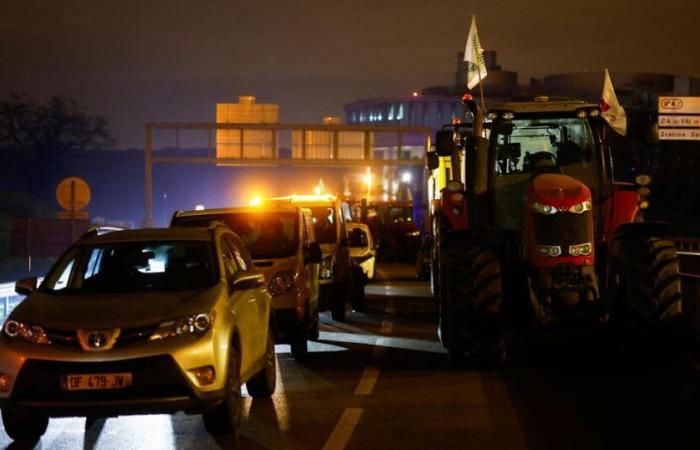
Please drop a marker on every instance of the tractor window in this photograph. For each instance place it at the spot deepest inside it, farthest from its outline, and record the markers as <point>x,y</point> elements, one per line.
<point>526,146</point>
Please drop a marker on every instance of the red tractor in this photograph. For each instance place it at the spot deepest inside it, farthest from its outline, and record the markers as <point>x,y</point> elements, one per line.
<point>532,232</point>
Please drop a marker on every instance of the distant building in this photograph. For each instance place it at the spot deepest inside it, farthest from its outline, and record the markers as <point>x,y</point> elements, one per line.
<point>251,143</point>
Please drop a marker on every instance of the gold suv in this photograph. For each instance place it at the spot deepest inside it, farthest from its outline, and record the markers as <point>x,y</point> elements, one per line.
<point>139,321</point>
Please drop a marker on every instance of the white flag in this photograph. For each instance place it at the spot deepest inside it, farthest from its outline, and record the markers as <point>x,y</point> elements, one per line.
<point>476,67</point>
<point>610,109</point>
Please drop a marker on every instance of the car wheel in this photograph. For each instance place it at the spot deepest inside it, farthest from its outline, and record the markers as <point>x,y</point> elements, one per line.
<point>24,428</point>
<point>314,327</point>
<point>358,291</point>
<point>338,299</point>
<point>262,384</point>
<point>298,343</point>
<point>225,418</point>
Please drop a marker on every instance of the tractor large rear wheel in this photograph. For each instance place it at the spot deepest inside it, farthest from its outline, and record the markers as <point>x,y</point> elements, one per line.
<point>645,286</point>
<point>473,286</point>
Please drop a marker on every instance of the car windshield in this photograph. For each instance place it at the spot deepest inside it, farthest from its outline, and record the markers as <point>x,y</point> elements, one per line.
<point>134,267</point>
<point>266,234</point>
<point>325,224</point>
<point>531,145</point>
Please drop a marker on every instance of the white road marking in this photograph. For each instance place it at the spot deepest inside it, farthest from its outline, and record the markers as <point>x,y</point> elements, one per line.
<point>343,430</point>
<point>387,326</point>
<point>390,307</point>
<point>368,380</point>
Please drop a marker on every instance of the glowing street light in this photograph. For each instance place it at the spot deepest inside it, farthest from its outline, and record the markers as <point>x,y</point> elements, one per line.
<point>255,201</point>
<point>199,208</point>
<point>406,177</point>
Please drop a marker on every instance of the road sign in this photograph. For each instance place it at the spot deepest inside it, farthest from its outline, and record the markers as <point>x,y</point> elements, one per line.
<point>73,194</point>
<point>679,105</point>
<point>679,118</point>
<point>668,120</point>
<point>679,134</point>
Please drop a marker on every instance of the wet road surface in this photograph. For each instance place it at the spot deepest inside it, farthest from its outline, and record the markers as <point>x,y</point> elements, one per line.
<point>380,380</point>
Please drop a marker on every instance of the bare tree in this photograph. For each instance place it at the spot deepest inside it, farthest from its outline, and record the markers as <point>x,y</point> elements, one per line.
<point>48,133</point>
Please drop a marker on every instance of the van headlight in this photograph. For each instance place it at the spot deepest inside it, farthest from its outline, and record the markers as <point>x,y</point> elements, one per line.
<point>326,272</point>
<point>281,282</point>
<point>581,249</point>
<point>31,333</point>
<point>195,324</point>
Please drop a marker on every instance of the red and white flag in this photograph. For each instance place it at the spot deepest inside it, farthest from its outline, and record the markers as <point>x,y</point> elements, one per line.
<point>610,109</point>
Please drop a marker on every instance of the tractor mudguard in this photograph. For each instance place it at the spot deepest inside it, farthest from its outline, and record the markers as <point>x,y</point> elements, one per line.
<point>643,229</point>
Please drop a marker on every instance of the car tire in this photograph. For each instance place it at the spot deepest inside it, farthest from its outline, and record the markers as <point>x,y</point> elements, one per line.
<point>225,418</point>
<point>263,383</point>
<point>24,428</point>
<point>338,300</point>
<point>358,291</point>
<point>314,330</point>
<point>298,343</point>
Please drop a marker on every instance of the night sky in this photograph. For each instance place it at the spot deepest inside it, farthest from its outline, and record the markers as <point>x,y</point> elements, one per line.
<point>137,61</point>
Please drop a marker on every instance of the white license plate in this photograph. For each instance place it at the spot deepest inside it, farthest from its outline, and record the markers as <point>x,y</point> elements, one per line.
<point>94,381</point>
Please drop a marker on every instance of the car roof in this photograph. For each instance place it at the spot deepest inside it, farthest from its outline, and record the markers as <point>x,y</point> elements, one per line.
<point>263,208</point>
<point>304,200</point>
<point>149,234</point>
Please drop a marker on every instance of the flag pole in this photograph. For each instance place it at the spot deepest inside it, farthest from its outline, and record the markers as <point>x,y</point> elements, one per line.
<point>481,90</point>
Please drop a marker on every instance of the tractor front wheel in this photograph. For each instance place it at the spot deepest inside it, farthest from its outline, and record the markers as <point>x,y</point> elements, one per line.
<point>644,286</point>
<point>473,287</point>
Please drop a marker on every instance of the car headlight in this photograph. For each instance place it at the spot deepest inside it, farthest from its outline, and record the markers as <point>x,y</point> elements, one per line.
<point>326,268</point>
<point>195,324</point>
<point>281,282</point>
<point>544,209</point>
<point>580,208</point>
<point>31,333</point>
<point>414,233</point>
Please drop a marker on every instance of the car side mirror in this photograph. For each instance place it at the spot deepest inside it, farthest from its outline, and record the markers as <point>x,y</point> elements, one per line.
<point>26,286</point>
<point>445,143</point>
<point>313,254</point>
<point>432,160</point>
<point>246,279</point>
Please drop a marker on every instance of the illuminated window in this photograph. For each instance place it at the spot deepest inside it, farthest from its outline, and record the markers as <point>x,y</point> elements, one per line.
<point>391,112</point>
<point>400,115</point>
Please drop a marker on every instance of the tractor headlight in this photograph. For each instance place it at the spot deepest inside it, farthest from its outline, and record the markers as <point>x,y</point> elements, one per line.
<point>548,250</point>
<point>454,185</point>
<point>326,272</point>
<point>580,208</point>
<point>543,209</point>
<point>31,333</point>
<point>281,282</point>
<point>195,324</point>
<point>581,249</point>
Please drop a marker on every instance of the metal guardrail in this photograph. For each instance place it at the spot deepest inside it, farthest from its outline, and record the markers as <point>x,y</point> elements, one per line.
<point>8,299</point>
<point>688,250</point>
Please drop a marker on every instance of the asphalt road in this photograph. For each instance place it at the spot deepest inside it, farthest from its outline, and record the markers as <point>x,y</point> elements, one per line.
<point>380,381</point>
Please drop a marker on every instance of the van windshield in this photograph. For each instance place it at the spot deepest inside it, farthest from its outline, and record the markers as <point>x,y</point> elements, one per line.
<point>266,234</point>
<point>325,224</point>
